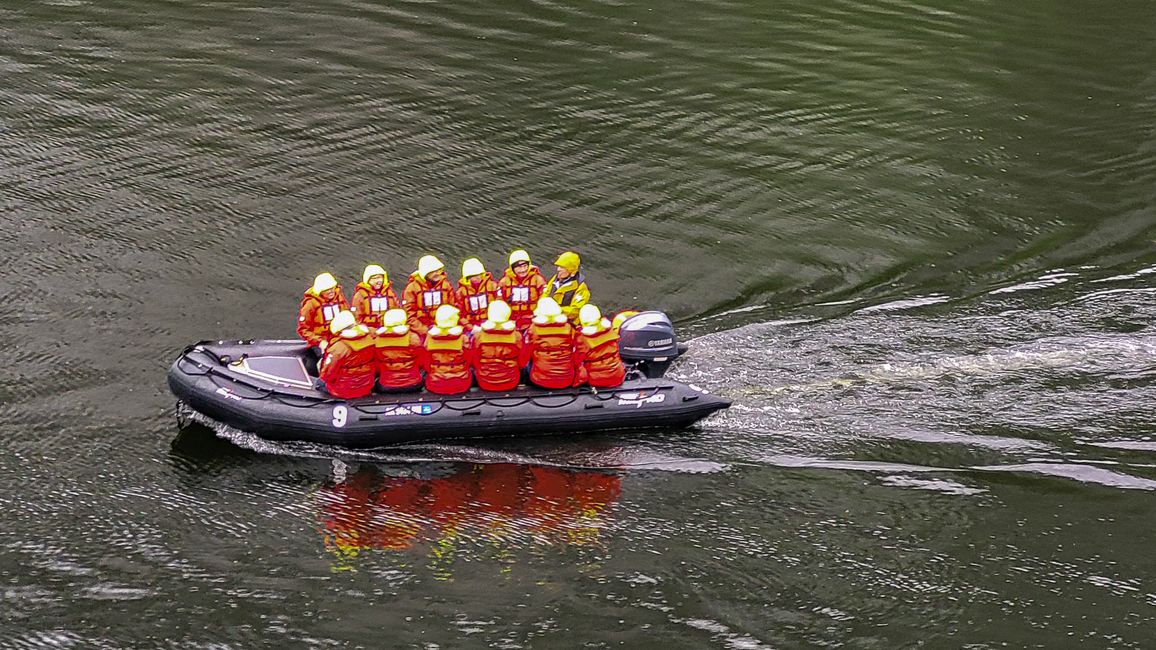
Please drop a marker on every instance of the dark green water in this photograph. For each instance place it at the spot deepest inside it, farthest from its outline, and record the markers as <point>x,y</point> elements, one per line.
<point>913,242</point>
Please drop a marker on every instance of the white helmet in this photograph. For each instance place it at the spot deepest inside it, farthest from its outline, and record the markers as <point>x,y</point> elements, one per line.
<point>446,316</point>
<point>472,267</point>
<point>428,264</point>
<point>324,282</point>
<point>342,321</point>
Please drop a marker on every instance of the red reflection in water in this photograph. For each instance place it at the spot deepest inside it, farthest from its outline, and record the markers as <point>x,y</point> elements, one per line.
<point>500,504</point>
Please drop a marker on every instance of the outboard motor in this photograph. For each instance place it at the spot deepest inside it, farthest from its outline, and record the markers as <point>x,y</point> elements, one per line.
<point>646,341</point>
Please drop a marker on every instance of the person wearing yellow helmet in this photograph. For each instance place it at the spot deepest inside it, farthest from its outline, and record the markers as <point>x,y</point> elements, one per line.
<point>350,359</point>
<point>521,286</point>
<point>568,286</point>
<point>400,354</point>
<point>550,344</point>
<point>427,290</point>
<point>447,359</point>
<point>320,304</point>
<point>498,351</point>
<point>596,350</point>
<point>476,290</point>
<point>373,296</point>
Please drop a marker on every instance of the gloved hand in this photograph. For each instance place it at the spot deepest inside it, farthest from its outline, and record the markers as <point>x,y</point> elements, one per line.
<point>323,345</point>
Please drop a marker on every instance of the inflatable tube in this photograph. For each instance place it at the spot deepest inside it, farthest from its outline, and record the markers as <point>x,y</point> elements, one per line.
<point>266,387</point>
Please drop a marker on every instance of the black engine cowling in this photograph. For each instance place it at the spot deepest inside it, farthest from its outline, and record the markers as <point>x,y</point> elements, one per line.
<point>647,342</point>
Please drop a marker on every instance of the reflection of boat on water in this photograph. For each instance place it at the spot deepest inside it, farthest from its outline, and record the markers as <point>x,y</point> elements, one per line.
<point>498,504</point>
<point>267,388</point>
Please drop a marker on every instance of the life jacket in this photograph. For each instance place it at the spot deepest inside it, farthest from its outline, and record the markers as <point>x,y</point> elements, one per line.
<point>447,364</point>
<point>369,304</point>
<point>522,295</point>
<point>349,364</point>
<point>422,299</point>
<point>399,357</point>
<point>598,354</point>
<point>315,313</point>
<point>551,353</point>
<point>473,300</point>
<point>570,294</point>
<point>498,356</point>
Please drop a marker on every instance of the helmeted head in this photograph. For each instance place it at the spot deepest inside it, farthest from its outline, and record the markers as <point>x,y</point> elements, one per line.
<point>446,316</point>
<point>519,257</point>
<point>429,264</point>
<point>342,321</point>
<point>472,267</point>
<point>393,318</point>
<point>568,264</point>
<point>548,308</point>
<point>498,312</point>
<point>324,284</point>
<point>621,317</point>
<point>370,276</point>
<point>589,315</point>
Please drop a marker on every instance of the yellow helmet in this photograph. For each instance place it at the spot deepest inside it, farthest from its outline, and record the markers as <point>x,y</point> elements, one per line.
<point>373,270</point>
<point>393,318</point>
<point>547,308</point>
<point>519,256</point>
<point>472,267</point>
<point>498,312</point>
<point>569,261</point>
<point>589,315</point>
<point>446,316</point>
<point>324,282</point>
<point>342,321</point>
<point>428,264</point>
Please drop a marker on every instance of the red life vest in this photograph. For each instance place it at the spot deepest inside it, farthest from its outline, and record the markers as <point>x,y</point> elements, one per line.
<point>349,364</point>
<point>474,300</point>
<point>422,299</point>
<point>314,316</point>
<point>498,357</point>
<point>551,353</point>
<point>447,364</point>
<point>522,295</point>
<point>399,358</point>
<point>598,354</point>
<point>369,304</point>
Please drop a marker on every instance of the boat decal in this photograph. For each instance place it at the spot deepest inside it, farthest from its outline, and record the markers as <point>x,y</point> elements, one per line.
<point>638,399</point>
<point>409,409</point>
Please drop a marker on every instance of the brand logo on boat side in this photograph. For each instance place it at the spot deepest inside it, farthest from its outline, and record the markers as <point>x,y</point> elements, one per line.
<point>227,394</point>
<point>657,342</point>
<point>409,409</point>
<point>638,399</point>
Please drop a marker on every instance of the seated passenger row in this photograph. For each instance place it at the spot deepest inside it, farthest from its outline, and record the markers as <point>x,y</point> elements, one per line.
<point>428,288</point>
<point>554,353</point>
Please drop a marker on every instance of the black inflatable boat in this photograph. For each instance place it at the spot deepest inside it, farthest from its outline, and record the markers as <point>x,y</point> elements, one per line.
<point>267,388</point>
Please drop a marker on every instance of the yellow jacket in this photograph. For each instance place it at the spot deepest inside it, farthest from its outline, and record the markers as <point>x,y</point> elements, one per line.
<point>570,294</point>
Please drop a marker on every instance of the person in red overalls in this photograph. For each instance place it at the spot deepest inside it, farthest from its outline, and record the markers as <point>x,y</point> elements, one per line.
<point>373,297</point>
<point>596,351</point>
<point>476,290</point>
<point>400,354</point>
<point>498,351</point>
<point>550,340</point>
<point>447,360</point>
<point>521,286</point>
<point>320,304</point>
<point>427,290</point>
<point>350,359</point>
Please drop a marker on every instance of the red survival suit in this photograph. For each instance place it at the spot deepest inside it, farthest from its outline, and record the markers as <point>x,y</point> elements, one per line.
<point>522,294</point>
<point>400,357</point>
<point>369,304</point>
<point>551,352</point>
<point>596,353</point>
<point>349,363</point>
<point>421,300</point>
<point>473,298</point>
<point>447,361</point>
<point>315,314</point>
<point>498,356</point>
